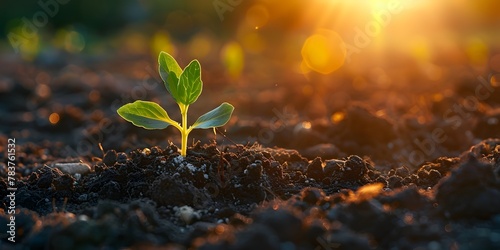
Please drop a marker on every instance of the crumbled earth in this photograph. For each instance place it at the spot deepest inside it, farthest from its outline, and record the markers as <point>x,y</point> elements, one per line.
<point>334,167</point>
<point>248,197</point>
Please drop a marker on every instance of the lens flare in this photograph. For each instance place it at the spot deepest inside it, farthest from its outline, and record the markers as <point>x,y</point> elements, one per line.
<point>324,51</point>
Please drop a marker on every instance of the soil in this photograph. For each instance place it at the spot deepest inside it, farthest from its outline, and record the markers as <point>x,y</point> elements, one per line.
<point>333,168</point>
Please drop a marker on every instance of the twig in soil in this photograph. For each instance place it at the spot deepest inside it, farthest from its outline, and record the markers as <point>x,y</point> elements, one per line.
<point>220,167</point>
<point>102,150</point>
<point>95,158</point>
<point>65,203</point>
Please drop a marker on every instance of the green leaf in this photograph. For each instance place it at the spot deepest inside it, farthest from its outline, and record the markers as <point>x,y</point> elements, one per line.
<point>169,70</point>
<point>148,115</point>
<point>190,84</point>
<point>216,117</point>
<point>168,64</point>
<point>172,85</point>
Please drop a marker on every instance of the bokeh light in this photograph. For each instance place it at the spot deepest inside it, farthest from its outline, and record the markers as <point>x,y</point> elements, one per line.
<point>54,118</point>
<point>257,16</point>
<point>324,51</point>
<point>94,96</point>
<point>306,125</point>
<point>161,41</point>
<point>233,59</point>
<point>74,42</point>
<point>43,91</point>
<point>495,80</point>
<point>337,117</point>
<point>28,46</point>
<point>69,40</point>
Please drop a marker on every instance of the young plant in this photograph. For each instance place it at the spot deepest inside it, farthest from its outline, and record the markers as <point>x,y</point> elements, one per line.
<point>185,87</point>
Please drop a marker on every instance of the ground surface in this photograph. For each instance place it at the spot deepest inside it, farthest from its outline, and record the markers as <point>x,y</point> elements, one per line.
<point>355,168</point>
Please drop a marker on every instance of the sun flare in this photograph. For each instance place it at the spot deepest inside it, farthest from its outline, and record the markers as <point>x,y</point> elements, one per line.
<point>358,30</point>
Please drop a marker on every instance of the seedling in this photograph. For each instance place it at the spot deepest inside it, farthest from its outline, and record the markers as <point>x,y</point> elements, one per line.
<point>185,87</point>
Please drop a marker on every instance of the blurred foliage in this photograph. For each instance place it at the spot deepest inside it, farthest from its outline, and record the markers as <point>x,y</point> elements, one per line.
<point>104,17</point>
<point>100,16</point>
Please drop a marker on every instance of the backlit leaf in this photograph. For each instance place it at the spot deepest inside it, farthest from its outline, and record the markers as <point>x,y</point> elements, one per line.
<point>148,115</point>
<point>215,118</point>
<point>169,70</point>
<point>190,84</point>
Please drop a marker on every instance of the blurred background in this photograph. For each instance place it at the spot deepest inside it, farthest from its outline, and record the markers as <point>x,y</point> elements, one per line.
<point>301,74</point>
<point>304,37</point>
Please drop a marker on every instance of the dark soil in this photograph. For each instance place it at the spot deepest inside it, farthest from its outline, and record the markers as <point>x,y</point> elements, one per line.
<point>365,181</point>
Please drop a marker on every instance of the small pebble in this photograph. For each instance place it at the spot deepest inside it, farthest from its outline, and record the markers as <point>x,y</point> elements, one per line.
<point>187,214</point>
<point>73,168</point>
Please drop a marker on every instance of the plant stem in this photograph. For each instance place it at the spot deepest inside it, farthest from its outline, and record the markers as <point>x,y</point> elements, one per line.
<point>184,131</point>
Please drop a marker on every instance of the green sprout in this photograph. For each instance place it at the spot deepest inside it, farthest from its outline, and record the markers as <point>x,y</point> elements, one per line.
<point>185,87</point>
